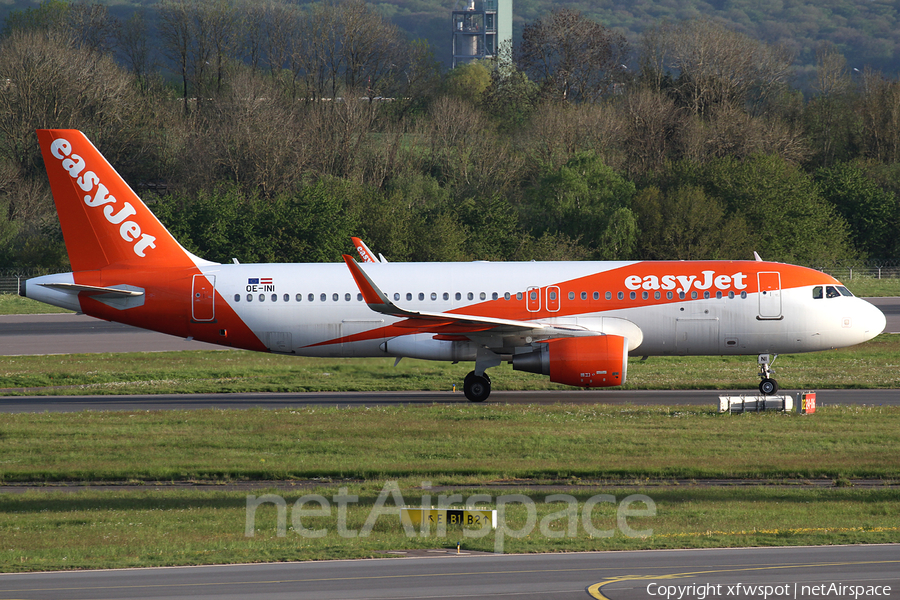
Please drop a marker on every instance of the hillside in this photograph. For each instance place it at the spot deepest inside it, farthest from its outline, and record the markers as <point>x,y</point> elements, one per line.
<point>867,32</point>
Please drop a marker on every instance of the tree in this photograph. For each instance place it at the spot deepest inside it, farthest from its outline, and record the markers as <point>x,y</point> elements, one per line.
<point>870,211</point>
<point>707,64</point>
<point>587,201</point>
<point>786,215</point>
<point>573,58</point>
<point>686,224</point>
<point>133,43</point>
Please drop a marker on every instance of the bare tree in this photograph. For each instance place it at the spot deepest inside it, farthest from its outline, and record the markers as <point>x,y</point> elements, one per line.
<point>879,107</point>
<point>52,84</point>
<point>710,65</point>
<point>573,57</point>
<point>198,38</point>
<point>133,43</point>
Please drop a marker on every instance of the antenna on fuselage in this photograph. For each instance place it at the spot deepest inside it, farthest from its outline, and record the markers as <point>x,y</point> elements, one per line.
<point>756,257</point>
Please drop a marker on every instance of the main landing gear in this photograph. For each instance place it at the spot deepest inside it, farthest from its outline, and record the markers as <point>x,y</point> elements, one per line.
<point>477,388</point>
<point>767,386</point>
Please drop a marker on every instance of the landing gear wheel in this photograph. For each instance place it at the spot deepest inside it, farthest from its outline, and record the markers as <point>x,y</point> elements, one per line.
<point>477,388</point>
<point>767,387</point>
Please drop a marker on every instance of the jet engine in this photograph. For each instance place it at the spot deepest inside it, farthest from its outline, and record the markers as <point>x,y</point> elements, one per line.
<point>594,361</point>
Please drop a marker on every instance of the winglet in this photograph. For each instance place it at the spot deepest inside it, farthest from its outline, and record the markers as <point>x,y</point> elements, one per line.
<point>374,297</point>
<point>364,252</point>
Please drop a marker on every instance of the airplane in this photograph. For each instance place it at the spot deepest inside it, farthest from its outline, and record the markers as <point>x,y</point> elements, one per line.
<point>576,322</point>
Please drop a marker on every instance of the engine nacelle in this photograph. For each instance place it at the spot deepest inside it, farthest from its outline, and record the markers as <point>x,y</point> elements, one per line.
<point>595,361</point>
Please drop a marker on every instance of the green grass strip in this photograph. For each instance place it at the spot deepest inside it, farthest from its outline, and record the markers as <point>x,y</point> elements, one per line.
<point>461,443</point>
<point>40,531</point>
<point>874,364</point>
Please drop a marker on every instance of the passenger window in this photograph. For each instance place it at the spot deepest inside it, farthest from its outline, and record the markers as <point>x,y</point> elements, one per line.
<point>287,297</point>
<point>262,297</point>
<point>518,295</point>
<point>433,296</point>
<point>718,295</point>
<point>621,295</point>
<point>237,297</point>
<point>335,297</point>
<point>743,294</point>
<point>693,295</point>
<point>571,295</point>
<point>609,296</point>
<point>731,295</point>
<point>311,297</point>
<point>249,297</point>
<point>506,296</point>
<point>396,296</point>
<point>458,296</point>
<point>706,295</point>
<point>632,295</point>
<point>656,295</point>
<point>299,297</point>
<point>347,297</point>
<point>482,295</point>
<point>668,295</point>
<point>681,295</point>
<point>421,295</point>
<point>533,295</point>
<point>446,296</point>
<point>470,295</point>
<point>408,295</point>
<point>553,295</point>
<point>817,292</point>
<point>323,297</point>
<point>359,297</point>
<point>596,295</point>
<point>274,297</point>
<point>645,295</point>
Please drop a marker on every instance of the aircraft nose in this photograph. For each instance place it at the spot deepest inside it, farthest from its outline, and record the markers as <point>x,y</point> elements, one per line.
<point>870,320</point>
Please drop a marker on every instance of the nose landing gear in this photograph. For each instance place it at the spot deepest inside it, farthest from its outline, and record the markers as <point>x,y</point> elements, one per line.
<point>767,386</point>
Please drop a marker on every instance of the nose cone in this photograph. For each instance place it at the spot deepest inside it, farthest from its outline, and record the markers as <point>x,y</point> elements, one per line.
<point>869,319</point>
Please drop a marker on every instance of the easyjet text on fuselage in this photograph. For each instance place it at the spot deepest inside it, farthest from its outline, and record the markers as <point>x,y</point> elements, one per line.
<point>684,283</point>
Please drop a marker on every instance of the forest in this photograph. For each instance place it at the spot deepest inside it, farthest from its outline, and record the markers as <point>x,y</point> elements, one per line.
<point>273,131</point>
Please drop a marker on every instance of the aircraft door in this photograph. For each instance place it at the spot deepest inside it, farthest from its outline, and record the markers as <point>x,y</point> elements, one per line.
<point>533,299</point>
<point>769,295</point>
<point>553,298</point>
<point>203,297</point>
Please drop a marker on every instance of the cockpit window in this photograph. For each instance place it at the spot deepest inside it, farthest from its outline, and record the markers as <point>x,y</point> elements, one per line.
<point>831,292</point>
<point>844,291</point>
<point>817,292</point>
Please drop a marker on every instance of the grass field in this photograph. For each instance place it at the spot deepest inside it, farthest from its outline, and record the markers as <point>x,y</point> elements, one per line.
<point>40,531</point>
<point>870,365</point>
<point>450,444</point>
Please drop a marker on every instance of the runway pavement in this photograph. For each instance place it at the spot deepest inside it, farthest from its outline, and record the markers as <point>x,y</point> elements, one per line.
<point>32,404</point>
<point>75,334</point>
<point>611,575</point>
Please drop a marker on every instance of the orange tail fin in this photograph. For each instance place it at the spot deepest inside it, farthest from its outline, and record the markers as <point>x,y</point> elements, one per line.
<point>103,221</point>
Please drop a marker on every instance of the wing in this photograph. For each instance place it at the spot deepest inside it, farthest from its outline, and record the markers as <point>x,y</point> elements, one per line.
<point>452,323</point>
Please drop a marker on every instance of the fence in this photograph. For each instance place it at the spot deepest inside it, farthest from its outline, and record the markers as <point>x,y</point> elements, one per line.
<point>11,278</point>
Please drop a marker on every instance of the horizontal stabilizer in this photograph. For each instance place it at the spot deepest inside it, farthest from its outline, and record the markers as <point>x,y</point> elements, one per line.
<point>110,292</point>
